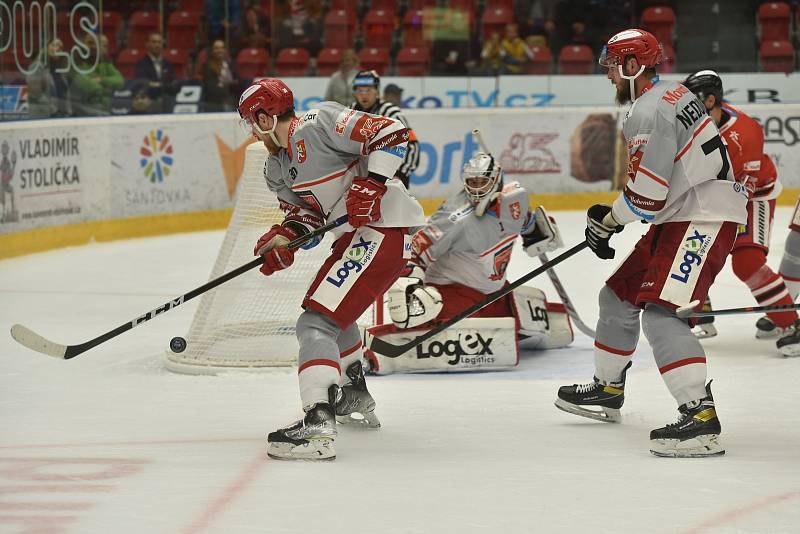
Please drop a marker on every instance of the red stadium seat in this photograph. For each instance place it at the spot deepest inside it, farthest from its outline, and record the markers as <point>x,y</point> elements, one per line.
<point>339,25</point>
<point>386,5</point>
<point>140,26</point>
<point>194,6</point>
<point>179,58</point>
<point>495,20</point>
<point>507,4</point>
<point>777,56</point>
<point>660,21</point>
<point>328,61</point>
<point>576,59</point>
<point>413,29</point>
<point>774,18</point>
<point>413,61</point>
<point>63,29</point>
<point>182,29</point>
<point>292,62</point>
<point>200,63</point>
<point>668,65</point>
<point>420,4</point>
<point>127,60</point>
<point>376,59</point>
<point>112,24</point>
<point>252,62</point>
<point>378,27</point>
<point>542,62</point>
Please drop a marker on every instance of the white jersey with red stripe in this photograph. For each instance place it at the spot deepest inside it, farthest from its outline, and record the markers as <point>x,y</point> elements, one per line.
<point>458,247</point>
<point>328,147</point>
<point>678,166</point>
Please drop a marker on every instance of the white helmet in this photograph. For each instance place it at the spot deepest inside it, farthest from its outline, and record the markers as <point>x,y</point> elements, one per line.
<point>481,177</point>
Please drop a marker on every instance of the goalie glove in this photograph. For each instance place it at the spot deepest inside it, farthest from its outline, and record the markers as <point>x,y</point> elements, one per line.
<point>543,236</point>
<point>411,303</point>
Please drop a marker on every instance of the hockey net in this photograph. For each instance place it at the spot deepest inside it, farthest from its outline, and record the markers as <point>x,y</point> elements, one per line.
<point>249,321</point>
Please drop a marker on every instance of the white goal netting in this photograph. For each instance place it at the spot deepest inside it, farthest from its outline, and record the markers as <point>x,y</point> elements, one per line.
<point>249,321</point>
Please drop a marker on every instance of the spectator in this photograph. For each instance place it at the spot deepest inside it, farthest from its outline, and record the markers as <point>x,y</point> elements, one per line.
<point>341,82</point>
<point>223,18</point>
<point>491,55</point>
<point>256,28</point>
<point>92,85</point>
<point>159,72</point>
<point>514,52</point>
<point>141,103</point>
<point>48,83</point>
<point>300,28</point>
<point>393,94</point>
<point>219,80</point>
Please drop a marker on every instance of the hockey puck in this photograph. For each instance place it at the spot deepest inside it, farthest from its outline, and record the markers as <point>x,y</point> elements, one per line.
<point>177,344</point>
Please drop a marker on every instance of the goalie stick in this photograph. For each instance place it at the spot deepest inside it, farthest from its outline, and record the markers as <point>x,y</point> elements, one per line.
<point>28,338</point>
<point>688,311</point>
<point>393,351</point>
<point>562,294</point>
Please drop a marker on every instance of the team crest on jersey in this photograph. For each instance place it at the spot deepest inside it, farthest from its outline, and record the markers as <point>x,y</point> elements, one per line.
<point>501,260</point>
<point>342,120</point>
<point>367,126</point>
<point>300,147</point>
<point>515,209</point>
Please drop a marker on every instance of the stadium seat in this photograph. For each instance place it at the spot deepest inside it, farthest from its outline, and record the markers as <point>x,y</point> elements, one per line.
<point>377,28</point>
<point>777,56</point>
<point>542,62</point>
<point>193,6</point>
<point>495,20</point>
<point>507,4</point>
<point>420,4</point>
<point>668,64</point>
<point>386,5</point>
<point>774,19</point>
<point>413,61</point>
<point>112,24</point>
<point>140,25</point>
<point>339,25</point>
<point>252,62</point>
<point>576,59</point>
<point>376,59</point>
<point>179,57</point>
<point>413,29</point>
<point>63,29</point>
<point>182,29</point>
<point>292,62</point>
<point>127,60</point>
<point>660,21</point>
<point>328,61</point>
<point>199,63</point>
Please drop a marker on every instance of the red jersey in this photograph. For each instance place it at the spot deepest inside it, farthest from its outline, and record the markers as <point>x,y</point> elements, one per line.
<point>745,140</point>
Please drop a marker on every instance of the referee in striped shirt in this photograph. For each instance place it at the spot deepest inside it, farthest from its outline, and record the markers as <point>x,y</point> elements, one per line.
<point>366,87</point>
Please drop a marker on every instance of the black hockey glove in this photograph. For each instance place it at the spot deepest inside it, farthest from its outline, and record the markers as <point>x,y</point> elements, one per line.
<point>598,232</point>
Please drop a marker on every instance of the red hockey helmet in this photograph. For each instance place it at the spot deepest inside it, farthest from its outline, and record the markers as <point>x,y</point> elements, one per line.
<point>269,95</point>
<point>633,42</point>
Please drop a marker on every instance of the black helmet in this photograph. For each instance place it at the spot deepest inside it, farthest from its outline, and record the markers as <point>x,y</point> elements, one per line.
<point>704,83</point>
<point>366,78</point>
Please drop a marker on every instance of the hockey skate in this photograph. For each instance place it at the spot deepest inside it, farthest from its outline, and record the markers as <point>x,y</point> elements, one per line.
<point>310,438</point>
<point>608,397</point>
<point>352,402</point>
<point>789,345</point>
<point>694,435</point>
<point>766,329</point>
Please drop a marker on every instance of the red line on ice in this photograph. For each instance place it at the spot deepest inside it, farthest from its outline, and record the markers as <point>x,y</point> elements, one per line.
<point>714,522</point>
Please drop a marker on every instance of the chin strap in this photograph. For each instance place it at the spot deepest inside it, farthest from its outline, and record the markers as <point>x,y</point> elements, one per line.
<point>631,79</point>
<point>271,131</point>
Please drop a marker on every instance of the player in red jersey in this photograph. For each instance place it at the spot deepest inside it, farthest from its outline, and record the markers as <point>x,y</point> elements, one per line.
<point>744,138</point>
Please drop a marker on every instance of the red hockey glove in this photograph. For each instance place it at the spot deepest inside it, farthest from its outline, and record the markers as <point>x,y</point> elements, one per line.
<point>272,246</point>
<point>364,201</point>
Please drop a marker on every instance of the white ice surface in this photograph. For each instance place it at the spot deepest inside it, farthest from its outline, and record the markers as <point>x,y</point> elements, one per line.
<point>111,442</point>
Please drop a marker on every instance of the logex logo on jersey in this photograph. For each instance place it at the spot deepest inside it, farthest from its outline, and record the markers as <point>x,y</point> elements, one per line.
<point>156,156</point>
<point>696,247</point>
<point>354,260</point>
<point>469,348</point>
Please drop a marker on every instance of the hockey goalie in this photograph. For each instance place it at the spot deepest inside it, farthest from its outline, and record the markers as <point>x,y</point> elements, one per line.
<point>460,257</point>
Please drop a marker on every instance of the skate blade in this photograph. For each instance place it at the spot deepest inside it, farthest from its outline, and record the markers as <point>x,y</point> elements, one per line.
<point>319,449</point>
<point>698,447</point>
<point>772,334</point>
<point>365,420</point>
<point>607,415</point>
<point>704,331</point>
<point>790,351</point>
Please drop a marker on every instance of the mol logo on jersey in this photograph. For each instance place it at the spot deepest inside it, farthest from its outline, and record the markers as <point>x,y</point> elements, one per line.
<point>695,247</point>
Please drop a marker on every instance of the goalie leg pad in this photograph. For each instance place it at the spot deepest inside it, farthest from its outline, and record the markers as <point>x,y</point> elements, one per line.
<point>542,324</point>
<point>475,344</point>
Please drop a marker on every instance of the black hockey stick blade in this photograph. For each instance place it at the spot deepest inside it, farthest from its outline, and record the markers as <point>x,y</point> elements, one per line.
<point>30,339</point>
<point>393,351</point>
<point>685,312</point>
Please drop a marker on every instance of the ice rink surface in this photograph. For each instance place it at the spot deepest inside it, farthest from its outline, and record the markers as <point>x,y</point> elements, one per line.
<point>111,442</point>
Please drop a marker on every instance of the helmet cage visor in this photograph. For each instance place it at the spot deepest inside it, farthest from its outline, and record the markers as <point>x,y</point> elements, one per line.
<point>608,59</point>
<point>479,182</point>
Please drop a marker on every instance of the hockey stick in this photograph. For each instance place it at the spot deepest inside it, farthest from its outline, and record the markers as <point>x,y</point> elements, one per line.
<point>34,341</point>
<point>562,294</point>
<point>685,312</point>
<point>393,351</point>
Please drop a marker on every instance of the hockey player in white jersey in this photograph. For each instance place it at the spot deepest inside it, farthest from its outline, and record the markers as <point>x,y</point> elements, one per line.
<point>460,257</point>
<point>789,345</point>
<point>326,163</point>
<point>680,181</point>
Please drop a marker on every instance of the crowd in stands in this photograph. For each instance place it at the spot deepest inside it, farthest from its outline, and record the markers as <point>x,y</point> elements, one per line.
<point>146,54</point>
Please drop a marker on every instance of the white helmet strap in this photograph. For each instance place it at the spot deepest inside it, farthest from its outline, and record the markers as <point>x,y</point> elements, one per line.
<point>630,79</point>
